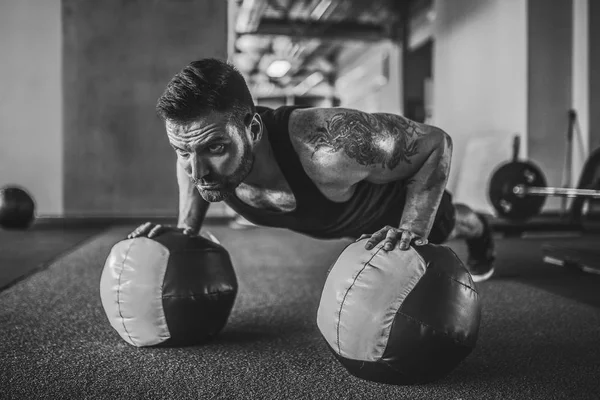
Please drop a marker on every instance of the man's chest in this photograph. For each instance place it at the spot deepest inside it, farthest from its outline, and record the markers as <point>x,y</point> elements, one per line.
<point>277,194</point>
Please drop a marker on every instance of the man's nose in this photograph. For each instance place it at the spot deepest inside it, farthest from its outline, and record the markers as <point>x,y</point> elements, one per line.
<point>199,168</point>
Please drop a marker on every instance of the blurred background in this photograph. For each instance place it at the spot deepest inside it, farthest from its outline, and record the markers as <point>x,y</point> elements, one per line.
<point>79,80</point>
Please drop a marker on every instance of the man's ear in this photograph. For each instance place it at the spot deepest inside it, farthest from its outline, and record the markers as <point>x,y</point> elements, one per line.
<point>256,128</point>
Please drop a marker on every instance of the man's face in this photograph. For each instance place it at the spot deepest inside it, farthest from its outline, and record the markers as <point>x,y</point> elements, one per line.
<point>216,154</point>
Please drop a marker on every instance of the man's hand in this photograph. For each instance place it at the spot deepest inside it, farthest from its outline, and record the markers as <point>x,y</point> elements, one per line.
<point>393,237</point>
<point>151,230</point>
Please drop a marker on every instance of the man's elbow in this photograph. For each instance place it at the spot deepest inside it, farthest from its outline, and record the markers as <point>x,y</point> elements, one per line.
<point>442,154</point>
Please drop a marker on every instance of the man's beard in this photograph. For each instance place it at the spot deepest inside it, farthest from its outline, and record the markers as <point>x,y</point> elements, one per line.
<point>228,184</point>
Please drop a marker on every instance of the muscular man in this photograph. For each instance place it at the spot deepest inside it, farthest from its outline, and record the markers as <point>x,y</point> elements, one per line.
<point>323,172</point>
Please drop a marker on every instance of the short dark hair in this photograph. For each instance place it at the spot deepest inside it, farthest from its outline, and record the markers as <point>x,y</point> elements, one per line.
<point>202,87</point>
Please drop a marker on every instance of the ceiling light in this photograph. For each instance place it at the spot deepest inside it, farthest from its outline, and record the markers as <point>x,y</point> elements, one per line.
<point>278,68</point>
<point>251,43</point>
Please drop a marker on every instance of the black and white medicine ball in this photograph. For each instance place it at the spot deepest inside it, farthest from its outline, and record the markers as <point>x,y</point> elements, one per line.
<point>399,317</point>
<point>171,290</point>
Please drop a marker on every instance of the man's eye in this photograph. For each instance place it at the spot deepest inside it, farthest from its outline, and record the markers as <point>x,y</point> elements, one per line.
<point>182,154</point>
<point>216,148</point>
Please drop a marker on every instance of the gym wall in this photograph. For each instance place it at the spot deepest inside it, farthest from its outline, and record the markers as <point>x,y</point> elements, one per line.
<point>31,100</point>
<point>79,80</point>
<point>503,67</point>
<point>594,73</point>
<point>118,57</point>
<point>480,87</point>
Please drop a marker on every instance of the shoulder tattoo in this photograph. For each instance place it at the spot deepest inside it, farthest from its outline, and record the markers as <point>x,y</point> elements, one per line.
<point>369,139</point>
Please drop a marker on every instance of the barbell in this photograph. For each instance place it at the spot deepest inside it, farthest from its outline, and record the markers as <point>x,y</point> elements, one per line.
<point>523,190</point>
<point>518,190</point>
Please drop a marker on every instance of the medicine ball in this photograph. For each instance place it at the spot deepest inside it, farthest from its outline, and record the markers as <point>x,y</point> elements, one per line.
<point>17,209</point>
<point>399,317</point>
<point>171,290</point>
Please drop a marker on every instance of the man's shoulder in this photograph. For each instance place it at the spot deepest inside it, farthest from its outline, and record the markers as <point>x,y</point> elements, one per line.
<point>307,130</point>
<point>301,121</point>
<point>312,123</point>
<point>316,130</point>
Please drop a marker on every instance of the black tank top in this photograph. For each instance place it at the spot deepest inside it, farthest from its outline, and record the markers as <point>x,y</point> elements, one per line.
<point>371,207</point>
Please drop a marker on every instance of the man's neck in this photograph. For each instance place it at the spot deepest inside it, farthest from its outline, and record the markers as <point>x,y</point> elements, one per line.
<point>265,170</point>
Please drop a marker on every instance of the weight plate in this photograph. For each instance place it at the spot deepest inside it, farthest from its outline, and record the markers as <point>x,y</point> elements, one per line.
<point>500,191</point>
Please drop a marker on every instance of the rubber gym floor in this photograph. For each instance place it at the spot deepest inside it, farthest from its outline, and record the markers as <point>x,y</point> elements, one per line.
<point>538,339</point>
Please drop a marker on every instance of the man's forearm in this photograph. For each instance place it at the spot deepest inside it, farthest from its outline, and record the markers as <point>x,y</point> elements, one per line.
<point>192,207</point>
<point>425,189</point>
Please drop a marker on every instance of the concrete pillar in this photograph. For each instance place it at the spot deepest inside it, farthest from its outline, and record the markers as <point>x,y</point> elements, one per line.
<point>594,70</point>
<point>550,47</point>
<point>581,86</point>
<point>118,57</point>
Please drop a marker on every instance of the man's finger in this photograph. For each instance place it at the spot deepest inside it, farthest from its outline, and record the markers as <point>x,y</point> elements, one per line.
<point>144,228</point>
<point>373,240</point>
<point>405,241</point>
<point>376,238</point>
<point>379,235</point>
<point>155,231</point>
<point>391,239</point>
<point>138,231</point>
<point>364,235</point>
